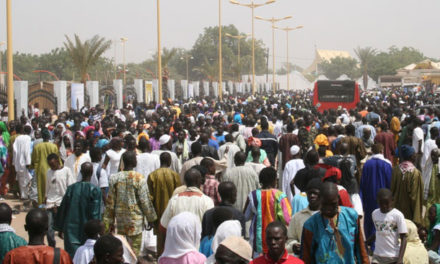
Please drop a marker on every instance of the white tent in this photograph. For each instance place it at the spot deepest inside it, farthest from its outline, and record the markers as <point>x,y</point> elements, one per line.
<point>371,83</point>
<point>322,78</point>
<point>343,77</point>
<point>297,81</point>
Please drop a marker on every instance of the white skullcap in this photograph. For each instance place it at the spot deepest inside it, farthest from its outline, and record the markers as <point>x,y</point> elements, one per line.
<point>164,139</point>
<point>294,150</point>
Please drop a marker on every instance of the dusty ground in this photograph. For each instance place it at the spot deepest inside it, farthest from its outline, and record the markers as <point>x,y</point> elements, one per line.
<point>18,220</point>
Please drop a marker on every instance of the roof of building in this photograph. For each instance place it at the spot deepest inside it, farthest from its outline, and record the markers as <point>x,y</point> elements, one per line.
<point>330,54</point>
<point>325,55</point>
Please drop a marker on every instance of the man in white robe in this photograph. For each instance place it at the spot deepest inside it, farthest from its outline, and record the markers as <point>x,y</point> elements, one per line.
<point>290,170</point>
<point>22,159</point>
<point>74,161</point>
<point>166,144</point>
<point>426,162</point>
<point>232,150</point>
<point>244,178</point>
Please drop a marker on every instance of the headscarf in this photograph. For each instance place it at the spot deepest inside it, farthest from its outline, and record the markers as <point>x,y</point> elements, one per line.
<point>63,149</point>
<point>5,134</point>
<point>415,250</point>
<point>436,222</point>
<point>102,143</point>
<point>321,140</point>
<point>183,235</point>
<point>226,229</point>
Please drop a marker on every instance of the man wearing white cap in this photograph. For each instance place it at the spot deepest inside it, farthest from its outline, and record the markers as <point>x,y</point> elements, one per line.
<point>292,167</point>
<point>166,143</point>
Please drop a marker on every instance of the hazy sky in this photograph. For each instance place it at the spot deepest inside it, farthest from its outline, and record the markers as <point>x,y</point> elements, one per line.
<point>40,25</point>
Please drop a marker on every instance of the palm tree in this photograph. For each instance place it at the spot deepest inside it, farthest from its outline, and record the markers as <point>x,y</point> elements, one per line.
<point>208,70</point>
<point>365,56</point>
<point>86,54</point>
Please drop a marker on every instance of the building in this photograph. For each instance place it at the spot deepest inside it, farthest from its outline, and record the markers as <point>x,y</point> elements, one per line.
<point>324,55</point>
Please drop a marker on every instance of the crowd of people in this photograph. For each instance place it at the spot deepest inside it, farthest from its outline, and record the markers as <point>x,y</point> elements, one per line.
<point>250,179</point>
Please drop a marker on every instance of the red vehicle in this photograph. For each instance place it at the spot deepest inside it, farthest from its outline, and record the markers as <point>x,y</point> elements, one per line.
<point>332,94</point>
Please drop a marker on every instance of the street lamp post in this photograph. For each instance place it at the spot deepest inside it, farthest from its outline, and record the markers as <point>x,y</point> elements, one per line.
<point>11,107</point>
<point>187,58</point>
<point>273,21</point>
<point>252,6</point>
<point>287,30</point>
<point>159,55</point>
<point>123,40</point>
<point>238,38</point>
<point>220,58</point>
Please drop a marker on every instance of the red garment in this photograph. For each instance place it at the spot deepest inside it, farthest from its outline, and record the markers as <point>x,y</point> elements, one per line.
<point>285,259</point>
<point>286,142</point>
<point>210,188</point>
<point>389,145</point>
<point>344,199</point>
<point>40,254</point>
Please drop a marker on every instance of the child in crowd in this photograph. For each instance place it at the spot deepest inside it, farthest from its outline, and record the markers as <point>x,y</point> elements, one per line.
<point>390,226</point>
<point>93,230</point>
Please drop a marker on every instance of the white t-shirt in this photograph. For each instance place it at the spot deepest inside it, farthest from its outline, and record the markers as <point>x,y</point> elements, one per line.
<point>56,185</point>
<point>389,226</point>
<point>147,163</point>
<point>417,135</point>
<point>115,159</point>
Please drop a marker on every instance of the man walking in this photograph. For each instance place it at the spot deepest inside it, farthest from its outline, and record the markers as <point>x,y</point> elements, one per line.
<point>128,202</point>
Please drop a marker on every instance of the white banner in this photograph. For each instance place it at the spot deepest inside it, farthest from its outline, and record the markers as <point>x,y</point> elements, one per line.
<point>156,90</point>
<point>190,90</point>
<point>224,87</point>
<point>196,89</point>
<point>237,87</point>
<point>21,97</point>
<point>215,88</point>
<point>139,88</point>
<point>117,85</point>
<point>206,88</point>
<point>60,90</point>
<point>93,92</point>
<point>171,87</point>
<point>77,95</point>
<point>231,87</point>
<point>184,84</point>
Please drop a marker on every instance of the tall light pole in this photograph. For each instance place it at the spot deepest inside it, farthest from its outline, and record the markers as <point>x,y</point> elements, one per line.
<point>287,30</point>
<point>238,38</point>
<point>220,59</point>
<point>273,21</point>
<point>11,107</point>
<point>252,6</point>
<point>187,58</point>
<point>123,40</point>
<point>159,55</point>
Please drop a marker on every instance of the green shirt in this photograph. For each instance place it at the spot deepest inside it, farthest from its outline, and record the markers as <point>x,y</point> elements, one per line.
<point>8,241</point>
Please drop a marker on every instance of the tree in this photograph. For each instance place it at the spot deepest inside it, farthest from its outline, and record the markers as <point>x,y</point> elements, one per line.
<point>85,54</point>
<point>292,67</point>
<point>208,70</point>
<point>206,48</point>
<point>365,56</point>
<point>339,66</point>
<point>387,63</point>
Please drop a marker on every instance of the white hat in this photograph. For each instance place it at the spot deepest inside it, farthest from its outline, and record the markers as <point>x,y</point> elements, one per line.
<point>294,150</point>
<point>164,139</point>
